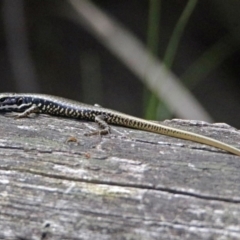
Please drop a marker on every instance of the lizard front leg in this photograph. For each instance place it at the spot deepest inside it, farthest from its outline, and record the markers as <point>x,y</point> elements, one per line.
<point>27,112</point>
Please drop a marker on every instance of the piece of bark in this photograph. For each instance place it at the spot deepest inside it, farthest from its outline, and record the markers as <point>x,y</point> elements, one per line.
<point>56,183</point>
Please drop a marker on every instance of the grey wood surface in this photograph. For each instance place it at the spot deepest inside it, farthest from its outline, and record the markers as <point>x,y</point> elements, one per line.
<point>127,185</point>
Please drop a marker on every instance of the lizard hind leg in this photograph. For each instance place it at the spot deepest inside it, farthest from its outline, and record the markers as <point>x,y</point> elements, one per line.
<point>105,128</point>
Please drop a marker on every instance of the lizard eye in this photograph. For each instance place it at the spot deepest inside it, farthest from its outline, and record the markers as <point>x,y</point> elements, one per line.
<point>19,101</point>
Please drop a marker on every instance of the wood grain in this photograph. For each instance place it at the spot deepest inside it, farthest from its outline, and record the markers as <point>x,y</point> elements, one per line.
<point>127,185</point>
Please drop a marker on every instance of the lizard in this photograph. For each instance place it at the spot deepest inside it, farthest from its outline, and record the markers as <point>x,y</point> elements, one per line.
<point>24,104</point>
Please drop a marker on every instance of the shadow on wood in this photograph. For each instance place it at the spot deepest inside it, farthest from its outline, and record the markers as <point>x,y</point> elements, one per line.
<point>56,183</point>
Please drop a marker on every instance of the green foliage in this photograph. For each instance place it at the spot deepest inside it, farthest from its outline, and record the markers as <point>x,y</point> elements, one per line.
<point>156,108</point>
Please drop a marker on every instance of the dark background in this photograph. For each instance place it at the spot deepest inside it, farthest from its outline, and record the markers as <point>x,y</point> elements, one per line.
<point>65,59</point>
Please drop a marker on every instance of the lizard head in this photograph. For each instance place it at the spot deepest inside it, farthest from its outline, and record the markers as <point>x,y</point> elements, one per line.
<point>11,102</point>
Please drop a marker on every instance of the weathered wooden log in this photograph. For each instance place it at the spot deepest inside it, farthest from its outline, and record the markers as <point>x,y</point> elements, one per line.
<point>56,183</point>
